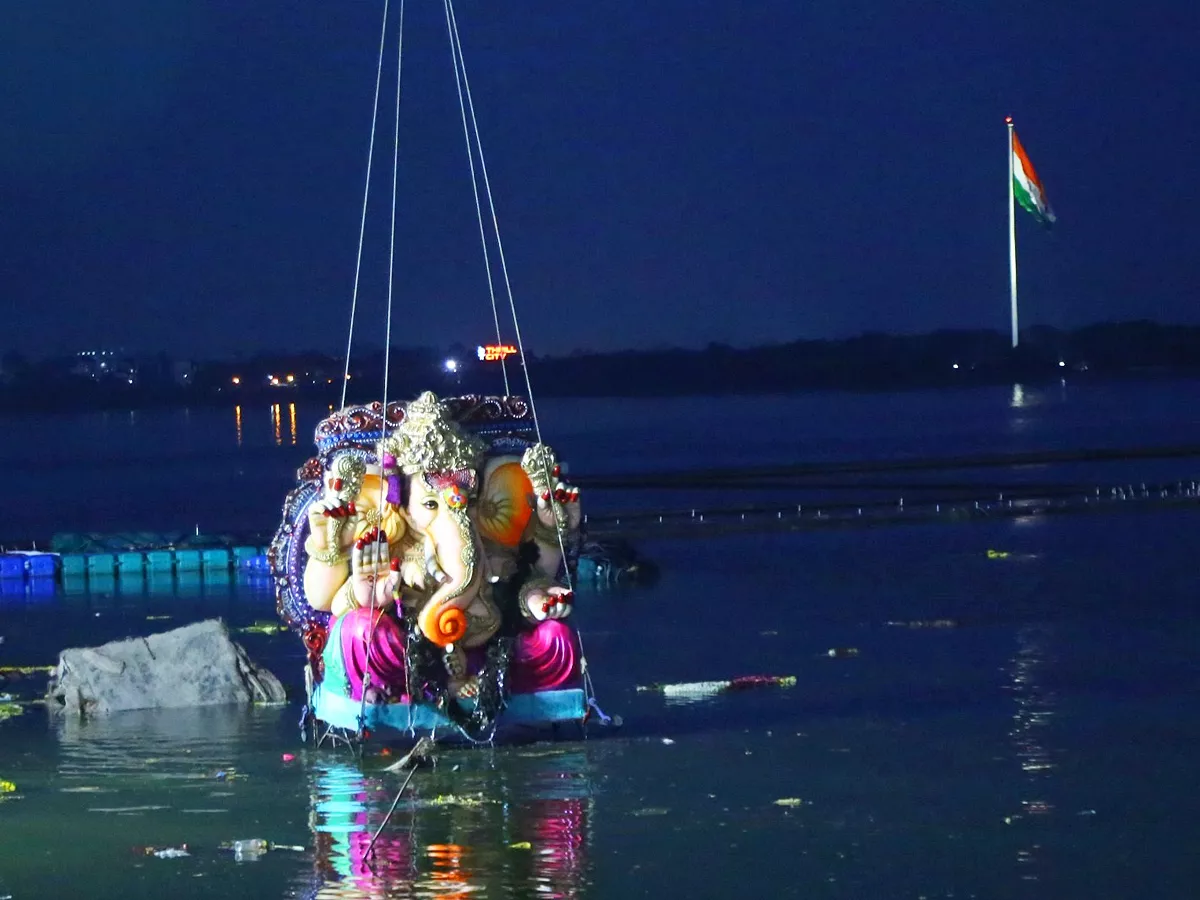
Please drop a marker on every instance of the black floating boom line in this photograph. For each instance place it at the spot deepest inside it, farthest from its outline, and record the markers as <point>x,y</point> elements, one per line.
<point>778,474</point>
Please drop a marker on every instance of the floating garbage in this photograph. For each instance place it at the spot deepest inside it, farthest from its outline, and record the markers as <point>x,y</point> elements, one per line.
<point>923,623</point>
<point>789,801</point>
<point>841,652</point>
<point>16,673</point>
<point>702,690</point>
<point>521,845</point>
<point>421,753</point>
<point>262,628</point>
<point>465,801</point>
<point>248,849</point>
<point>998,554</point>
<point>253,848</point>
<point>7,787</point>
<point>167,852</point>
<point>9,710</point>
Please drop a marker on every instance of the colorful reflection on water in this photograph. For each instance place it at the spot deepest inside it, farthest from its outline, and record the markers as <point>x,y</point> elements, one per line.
<point>518,830</point>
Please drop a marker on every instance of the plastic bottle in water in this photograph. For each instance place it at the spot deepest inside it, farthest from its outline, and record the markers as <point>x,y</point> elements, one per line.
<point>248,849</point>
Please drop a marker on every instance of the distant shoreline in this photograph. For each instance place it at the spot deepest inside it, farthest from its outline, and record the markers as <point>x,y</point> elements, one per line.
<point>85,401</point>
<point>870,362</point>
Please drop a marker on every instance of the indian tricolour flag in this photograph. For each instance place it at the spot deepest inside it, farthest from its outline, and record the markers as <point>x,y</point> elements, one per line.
<point>1027,187</point>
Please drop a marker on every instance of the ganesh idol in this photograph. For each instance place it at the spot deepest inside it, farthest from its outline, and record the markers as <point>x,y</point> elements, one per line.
<point>425,558</point>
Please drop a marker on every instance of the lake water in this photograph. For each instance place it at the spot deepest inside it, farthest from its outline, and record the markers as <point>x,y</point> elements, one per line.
<point>1042,746</point>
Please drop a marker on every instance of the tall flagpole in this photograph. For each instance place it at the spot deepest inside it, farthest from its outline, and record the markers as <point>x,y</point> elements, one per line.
<point>1012,232</point>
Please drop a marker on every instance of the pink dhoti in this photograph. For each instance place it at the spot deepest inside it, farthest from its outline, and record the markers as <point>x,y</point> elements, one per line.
<point>387,651</point>
<point>544,659</point>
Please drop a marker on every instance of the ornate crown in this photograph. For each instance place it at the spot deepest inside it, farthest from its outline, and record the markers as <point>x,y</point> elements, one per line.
<point>429,441</point>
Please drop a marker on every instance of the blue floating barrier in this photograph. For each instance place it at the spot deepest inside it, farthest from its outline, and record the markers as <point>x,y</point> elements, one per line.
<point>243,555</point>
<point>74,564</point>
<point>130,563</point>
<point>215,559</point>
<point>12,567</point>
<point>101,564</point>
<point>160,561</point>
<point>187,560</point>
<point>42,565</point>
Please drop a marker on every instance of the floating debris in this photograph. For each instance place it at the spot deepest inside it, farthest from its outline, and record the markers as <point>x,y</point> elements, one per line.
<point>16,673</point>
<point>651,811</point>
<point>521,845</point>
<point>253,848</point>
<point>789,801</point>
<point>262,628</point>
<point>924,623</point>
<point>455,800</point>
<point>998,554</point>
<point>9,711</point>
<point>126,809</point>
<point>168,852</point>
<point>702,690</point>
<point>841,652</point>
<point>421,753</point>
<point>7,787</point>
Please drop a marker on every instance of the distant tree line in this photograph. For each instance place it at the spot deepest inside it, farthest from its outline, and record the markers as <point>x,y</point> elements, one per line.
<point>867,362</point>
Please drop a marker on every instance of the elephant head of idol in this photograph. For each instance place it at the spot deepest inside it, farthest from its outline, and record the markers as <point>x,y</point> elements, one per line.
<point>439,465</point>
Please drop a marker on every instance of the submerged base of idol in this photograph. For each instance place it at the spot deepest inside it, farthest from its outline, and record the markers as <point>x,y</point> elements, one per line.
<point>425,558</point>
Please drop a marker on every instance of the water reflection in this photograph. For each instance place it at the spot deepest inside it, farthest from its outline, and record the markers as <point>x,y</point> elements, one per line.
<point>157,745</point>
<point>237,422</point>
<point>515,825</point>
<point>1036,706</point>
<point>277,424</point>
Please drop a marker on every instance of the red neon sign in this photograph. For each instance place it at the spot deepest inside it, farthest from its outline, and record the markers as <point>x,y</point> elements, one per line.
<point>495,352</point>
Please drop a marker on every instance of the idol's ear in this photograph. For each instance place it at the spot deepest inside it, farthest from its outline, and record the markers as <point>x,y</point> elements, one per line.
<point>502,509</point>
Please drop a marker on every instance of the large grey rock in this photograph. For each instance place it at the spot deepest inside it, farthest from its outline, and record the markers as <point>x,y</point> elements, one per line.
<point>197,665</point>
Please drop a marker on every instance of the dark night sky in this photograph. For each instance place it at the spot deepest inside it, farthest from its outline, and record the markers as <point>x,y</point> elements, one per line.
<point>187,175</point>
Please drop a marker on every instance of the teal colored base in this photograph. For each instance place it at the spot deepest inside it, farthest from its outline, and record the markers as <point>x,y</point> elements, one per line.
<point>542,708</point>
